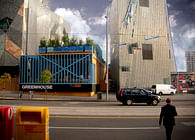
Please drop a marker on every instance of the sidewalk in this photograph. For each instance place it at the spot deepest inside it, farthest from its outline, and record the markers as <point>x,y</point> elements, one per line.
<point>14,95</point>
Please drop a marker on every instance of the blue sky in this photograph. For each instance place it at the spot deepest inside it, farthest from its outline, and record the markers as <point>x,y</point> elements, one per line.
<point>87,20</point>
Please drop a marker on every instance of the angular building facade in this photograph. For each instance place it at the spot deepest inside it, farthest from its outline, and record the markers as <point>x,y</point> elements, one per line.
<point>141,47</point>
<point>22,24</point>
<point>190,61</point>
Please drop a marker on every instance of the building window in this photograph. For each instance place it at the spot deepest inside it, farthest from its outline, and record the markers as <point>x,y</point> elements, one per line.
<point>144,3</point>
<point>5,23</point>
<point>124,69</point>
<point>131,46</point>
<point>147,51</point>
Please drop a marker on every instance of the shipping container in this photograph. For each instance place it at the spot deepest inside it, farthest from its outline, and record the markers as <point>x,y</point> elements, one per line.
<point>72,72</point>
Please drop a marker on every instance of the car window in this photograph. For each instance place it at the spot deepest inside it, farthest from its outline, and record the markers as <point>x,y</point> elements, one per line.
<point>142,92</point>
<point>172,87</point>
<point>135,91</point>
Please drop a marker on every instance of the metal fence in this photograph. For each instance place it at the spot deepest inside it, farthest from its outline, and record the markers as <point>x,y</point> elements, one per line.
<point>66,68</point>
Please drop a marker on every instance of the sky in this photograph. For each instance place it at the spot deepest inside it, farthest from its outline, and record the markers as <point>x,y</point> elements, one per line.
<point>87,19</point>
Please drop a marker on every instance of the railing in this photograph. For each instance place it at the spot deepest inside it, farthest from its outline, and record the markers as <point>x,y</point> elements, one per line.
<point>65,68</point>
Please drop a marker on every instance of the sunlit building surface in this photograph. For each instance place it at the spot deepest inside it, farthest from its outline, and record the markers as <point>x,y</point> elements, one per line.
<point>190,61</point>
<point>22,24</point>
<point>141,47</point>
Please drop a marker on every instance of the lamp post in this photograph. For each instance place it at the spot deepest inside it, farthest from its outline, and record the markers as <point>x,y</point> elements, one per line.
<point>106,58</point>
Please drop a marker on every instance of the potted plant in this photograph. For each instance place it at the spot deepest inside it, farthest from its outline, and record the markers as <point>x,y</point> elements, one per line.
<point>80,45</point>
<point>51,45</point>
<point>43,45</point>
<point>65,40</point>
<point>89,44</point>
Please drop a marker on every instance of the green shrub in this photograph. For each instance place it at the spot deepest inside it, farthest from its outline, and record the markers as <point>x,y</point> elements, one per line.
<point>65,40</point>
<point>45,76</point>
<point>43,43</point>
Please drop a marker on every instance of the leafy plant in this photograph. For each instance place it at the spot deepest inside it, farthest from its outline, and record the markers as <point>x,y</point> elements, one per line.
<point>89,42</point>
<point>80,42</point>
<point>57,43</point>
<point>51,43</point>
<point>45,76</point>
<point>43,43</point>
<point>65,40</point>
<point>5,76</point>
<point>73,41</point>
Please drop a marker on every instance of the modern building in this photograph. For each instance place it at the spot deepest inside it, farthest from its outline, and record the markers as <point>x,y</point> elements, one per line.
<point>22,24</point>
<point>190,61</point>
<point>141,46</point>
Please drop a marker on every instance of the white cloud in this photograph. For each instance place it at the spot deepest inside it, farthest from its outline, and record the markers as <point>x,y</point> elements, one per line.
<point>172,21</point>
<point>169,5</point>
<point>79,26</point>
<point>180,57</point>
<point>183,41</point>
<point>99,20</point>
<point>190,34</point>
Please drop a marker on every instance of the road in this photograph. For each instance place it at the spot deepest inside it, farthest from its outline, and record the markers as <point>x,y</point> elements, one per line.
<point>92,120</point>
<point>114,128</point>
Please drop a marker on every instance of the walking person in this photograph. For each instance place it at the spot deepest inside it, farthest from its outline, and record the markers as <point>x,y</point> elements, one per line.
<point>168,113</point>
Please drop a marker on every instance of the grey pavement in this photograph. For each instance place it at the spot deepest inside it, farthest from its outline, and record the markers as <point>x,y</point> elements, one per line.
<point>14,95</point>
<point>112,108</point>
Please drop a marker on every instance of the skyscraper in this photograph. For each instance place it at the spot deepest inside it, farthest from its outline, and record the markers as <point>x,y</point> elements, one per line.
<point>141,47</point>
<point>190,61</point>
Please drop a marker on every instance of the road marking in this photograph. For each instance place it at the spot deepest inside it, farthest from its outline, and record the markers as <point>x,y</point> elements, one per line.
<point>188,123</point>
<point>105,128</point>
<point>116,117</point>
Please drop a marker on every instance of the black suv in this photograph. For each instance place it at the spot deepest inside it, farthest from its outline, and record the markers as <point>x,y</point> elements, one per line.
<point>136,95</point>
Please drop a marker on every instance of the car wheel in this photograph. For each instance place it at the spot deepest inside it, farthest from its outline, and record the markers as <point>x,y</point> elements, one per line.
<point>154,102</point>
<point>160,93</point>
<point>172,93</point>
<point>129,102</point>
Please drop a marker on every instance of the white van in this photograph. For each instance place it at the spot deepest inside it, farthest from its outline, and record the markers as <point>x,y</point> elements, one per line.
<point>163,89</point>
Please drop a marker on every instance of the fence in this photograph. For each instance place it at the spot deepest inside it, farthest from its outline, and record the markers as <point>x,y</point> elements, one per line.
<point>9,85</point>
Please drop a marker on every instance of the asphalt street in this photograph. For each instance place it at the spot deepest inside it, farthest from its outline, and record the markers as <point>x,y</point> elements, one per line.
<point>113,128</point>
<point>86,118</point>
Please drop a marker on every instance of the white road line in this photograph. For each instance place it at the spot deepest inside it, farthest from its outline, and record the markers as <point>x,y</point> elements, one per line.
<point>188,123</point>
<point>105,128</point>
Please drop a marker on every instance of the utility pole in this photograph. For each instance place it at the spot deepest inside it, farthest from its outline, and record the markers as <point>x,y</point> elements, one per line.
<point>27,22</point>
<point>106,58</point>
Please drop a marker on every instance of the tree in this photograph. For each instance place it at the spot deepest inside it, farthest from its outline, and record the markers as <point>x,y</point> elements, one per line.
<point>65,40</point>
<point>45,76</point>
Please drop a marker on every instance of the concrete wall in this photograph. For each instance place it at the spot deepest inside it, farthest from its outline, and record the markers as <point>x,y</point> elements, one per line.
<point>146,22</point>
<point>31,20</point>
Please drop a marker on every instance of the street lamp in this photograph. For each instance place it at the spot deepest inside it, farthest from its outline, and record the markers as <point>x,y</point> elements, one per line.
<point>106,57</point>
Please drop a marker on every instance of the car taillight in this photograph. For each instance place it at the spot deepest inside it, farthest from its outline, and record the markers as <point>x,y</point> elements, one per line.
<point>122,92</point>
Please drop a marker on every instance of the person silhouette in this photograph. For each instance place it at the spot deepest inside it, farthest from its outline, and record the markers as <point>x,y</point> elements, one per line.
<point>168,113</point>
